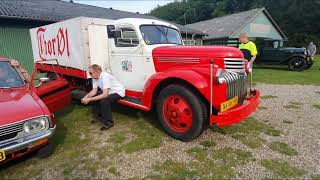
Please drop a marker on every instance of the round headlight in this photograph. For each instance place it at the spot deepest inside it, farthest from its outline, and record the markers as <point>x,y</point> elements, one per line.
<point>36,125</point>
<point>219,76</point>
<point>221,80</point>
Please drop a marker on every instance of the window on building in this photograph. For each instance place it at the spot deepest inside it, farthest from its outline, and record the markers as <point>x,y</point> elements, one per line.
<point>189,42</point>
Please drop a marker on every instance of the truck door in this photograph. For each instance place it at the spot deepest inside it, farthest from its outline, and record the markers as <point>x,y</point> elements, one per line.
<point>129,64</point>
<point>52,88</point>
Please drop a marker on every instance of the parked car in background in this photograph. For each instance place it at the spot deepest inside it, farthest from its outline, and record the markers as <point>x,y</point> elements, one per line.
<point>274,52</point>
<point>26,119</point>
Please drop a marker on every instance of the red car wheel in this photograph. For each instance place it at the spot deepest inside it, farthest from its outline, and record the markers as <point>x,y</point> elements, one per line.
<point>180,112</point>
<point>177,113</point>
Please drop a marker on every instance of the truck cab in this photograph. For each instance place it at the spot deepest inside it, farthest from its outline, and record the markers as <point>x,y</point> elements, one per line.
<point>26,122</point>
<point>191,87</point>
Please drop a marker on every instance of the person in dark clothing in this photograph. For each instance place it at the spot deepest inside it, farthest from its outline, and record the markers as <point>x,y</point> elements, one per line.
<point>106,89</point>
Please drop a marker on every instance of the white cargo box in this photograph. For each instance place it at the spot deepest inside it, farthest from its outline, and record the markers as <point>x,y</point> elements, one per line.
<point>72,42</point>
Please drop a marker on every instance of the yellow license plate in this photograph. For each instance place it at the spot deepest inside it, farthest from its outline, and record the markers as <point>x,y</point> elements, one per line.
<point>229,104</point>
<point>2,155</point>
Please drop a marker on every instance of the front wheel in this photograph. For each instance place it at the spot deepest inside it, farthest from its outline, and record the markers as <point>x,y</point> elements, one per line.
<point>297,64</point>
<point>180,112</point>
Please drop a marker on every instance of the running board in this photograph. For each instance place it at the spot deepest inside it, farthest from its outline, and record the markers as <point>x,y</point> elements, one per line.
<point>133,102</point>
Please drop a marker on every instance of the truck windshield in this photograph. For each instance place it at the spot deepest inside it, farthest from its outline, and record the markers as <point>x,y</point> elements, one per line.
<point>9,77</point>
<point>158,34</point>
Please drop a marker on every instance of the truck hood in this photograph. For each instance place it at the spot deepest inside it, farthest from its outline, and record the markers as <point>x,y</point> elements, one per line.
<point>198,51</point>
<point>16,105</point>
<point>172,56</point>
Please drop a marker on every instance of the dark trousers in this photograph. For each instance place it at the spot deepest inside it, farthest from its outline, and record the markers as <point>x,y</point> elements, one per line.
<point>102,108</point>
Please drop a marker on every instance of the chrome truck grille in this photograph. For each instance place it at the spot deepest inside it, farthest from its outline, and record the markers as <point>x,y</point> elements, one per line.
<point>236,78</point>
<point>10,131</point>
<point>237,85</point>
<point>234,65</point>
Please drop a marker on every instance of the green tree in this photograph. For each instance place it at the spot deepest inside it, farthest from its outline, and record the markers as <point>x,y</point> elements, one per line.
<point>299,19</point>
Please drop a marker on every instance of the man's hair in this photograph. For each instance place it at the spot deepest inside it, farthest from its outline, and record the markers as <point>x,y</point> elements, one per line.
<point>244,34</point>
<point>95,67</point>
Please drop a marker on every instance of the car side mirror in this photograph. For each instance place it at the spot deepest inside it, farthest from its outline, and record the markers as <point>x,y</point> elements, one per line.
<point>111,30</point>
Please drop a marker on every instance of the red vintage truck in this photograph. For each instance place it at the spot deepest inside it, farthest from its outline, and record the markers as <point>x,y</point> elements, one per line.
<point>26,119</point>
<point>191,87</point>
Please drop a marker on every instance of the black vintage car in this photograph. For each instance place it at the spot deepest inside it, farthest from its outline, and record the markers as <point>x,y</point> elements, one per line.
<point>274,52</point>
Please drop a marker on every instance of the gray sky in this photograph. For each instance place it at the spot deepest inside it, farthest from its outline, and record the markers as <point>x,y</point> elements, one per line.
<point>141,6</point>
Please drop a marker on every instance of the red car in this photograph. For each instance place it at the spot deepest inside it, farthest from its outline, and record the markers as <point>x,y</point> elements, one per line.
<point>26,120</point>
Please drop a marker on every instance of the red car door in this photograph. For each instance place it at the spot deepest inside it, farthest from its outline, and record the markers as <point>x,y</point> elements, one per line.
<point>53,89</point>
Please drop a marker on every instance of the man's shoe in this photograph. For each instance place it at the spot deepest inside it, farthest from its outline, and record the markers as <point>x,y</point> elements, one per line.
<point>95,119</point>
<point>106,127</point>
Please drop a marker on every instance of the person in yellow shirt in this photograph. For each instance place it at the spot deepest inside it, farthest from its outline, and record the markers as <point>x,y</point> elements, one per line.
<point>248,48</point>
<point>249,51</point>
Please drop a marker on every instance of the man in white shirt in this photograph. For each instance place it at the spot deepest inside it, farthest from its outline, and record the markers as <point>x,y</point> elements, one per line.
<point>112,90</point>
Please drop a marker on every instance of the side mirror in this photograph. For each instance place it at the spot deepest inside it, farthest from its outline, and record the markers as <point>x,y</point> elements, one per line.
<point>111,30</point>
<point>44,79</point>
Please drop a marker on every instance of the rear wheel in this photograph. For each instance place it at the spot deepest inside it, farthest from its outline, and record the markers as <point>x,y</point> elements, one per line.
<point>297,64</point>
<point>180,112</point>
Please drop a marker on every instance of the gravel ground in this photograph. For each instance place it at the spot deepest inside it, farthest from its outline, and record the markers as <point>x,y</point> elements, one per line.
<point>303,134</point>
<point>299,127</point>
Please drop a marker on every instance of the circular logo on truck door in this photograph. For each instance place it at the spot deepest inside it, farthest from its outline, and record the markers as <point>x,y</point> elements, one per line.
<point>126,66</point>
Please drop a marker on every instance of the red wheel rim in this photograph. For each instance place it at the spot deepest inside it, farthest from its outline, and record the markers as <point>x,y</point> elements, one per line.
<point>177,113</point>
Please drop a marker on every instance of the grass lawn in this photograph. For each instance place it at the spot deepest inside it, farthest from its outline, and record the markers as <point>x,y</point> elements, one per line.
<point>282,75</point>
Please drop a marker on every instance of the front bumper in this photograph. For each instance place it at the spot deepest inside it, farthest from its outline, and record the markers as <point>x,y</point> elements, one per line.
<point>27,144</point>
<point>239,113</point>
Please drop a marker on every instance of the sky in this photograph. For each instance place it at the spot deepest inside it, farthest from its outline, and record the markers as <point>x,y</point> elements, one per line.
<point>141,6</point>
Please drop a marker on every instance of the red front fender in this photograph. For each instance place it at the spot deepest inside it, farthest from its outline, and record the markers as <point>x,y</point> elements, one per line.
<point>192,77</point>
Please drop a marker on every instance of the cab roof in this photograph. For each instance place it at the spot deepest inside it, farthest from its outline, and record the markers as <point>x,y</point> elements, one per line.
<point>140,21</point>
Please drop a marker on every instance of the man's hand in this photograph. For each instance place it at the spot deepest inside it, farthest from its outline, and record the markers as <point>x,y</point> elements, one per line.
<point>14,63</point>
<point>24,73</point>
<point>85,100</point>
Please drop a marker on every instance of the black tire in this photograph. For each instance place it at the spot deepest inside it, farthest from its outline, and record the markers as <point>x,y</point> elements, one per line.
<point>198,115</point>
<point>297,64</point>
<point>206,122</point>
